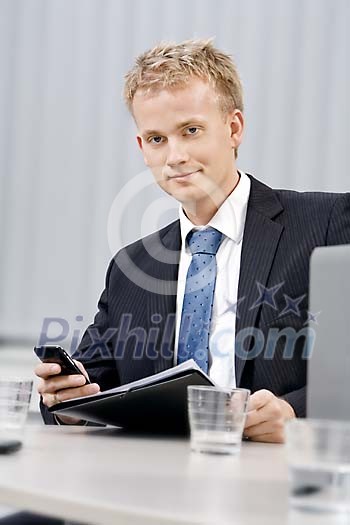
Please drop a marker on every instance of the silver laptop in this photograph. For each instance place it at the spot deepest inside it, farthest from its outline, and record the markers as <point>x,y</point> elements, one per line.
<point>329,365</point>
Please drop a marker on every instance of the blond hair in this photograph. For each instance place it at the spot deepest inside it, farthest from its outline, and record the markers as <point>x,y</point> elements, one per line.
<point>170,65</point>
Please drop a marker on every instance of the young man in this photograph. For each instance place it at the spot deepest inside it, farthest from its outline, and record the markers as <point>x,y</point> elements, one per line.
<point>241,315</point>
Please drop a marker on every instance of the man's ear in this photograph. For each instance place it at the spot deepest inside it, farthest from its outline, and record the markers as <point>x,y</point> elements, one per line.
<point>236,121</point>
<point>140,143</point>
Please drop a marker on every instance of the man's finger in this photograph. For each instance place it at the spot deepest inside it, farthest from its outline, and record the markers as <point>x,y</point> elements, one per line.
<point>53,384</point>
<point>270,411</point>
<point>274,437</point>
<point>267,427</point>
<point>81,368</point>
<point>259,399</point>
<point>254,418</point>
<point>71,393</point>
<point>45,370</point>
<point>49,400</point>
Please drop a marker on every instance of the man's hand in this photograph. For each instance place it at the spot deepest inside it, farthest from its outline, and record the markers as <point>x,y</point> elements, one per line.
<point>266,416</point>
<point>55,388</point>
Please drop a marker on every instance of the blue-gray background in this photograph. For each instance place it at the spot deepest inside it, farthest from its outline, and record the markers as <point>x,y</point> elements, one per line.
<point>67,145</point>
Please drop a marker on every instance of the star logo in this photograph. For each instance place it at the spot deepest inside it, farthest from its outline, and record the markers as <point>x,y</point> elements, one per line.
<point>205,327</point>
<point>292,305</point>
<point>266,296</point>
<point>234,307</point>
<point>311,317</point>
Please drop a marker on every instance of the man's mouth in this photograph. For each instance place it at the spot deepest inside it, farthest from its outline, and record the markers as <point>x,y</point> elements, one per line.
<point>182,175</point>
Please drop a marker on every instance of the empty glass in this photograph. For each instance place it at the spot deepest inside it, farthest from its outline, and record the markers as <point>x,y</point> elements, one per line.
<point>217,417</point>
<point>15,394</point>
<point>319,464</point>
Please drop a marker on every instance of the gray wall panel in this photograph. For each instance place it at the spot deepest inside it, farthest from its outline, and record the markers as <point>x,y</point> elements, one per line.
<point>67,143</point>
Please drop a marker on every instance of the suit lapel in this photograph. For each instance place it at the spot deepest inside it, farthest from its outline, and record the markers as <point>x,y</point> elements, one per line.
<point>165,264</point>
<point>260,241</point>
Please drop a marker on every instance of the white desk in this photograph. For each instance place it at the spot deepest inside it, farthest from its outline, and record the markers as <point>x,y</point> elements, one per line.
<point>99,476</point>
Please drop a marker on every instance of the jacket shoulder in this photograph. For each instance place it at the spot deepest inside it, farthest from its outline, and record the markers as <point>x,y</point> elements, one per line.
<point>315,198</point>
<point>151,240</point>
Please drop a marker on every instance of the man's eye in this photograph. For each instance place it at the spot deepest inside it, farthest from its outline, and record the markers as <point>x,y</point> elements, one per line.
<point>155,140</point>
<point>192,130</point>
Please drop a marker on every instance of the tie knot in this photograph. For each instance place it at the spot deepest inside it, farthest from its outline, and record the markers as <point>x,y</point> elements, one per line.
<point>204,241</point>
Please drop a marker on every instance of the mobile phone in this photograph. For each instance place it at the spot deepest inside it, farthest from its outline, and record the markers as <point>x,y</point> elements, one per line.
<point>56,354</point>
<point>9,445</point>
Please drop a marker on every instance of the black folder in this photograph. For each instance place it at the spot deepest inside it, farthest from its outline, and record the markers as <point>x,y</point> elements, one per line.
<point>157,403</point>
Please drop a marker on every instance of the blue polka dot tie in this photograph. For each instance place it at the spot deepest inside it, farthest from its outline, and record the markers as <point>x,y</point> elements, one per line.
<point>198,298</point>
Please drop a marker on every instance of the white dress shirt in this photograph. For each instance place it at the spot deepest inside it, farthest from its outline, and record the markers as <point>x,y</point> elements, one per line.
<point>230,221</point>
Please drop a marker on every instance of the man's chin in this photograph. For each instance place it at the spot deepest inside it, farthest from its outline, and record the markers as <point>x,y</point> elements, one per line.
<point>185,195</point>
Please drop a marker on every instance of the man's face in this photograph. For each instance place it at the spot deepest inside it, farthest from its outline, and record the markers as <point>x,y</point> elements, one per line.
<point>187,142</point>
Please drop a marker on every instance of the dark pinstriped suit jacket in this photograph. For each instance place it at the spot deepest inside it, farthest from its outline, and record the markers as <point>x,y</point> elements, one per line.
<point>282,228</point>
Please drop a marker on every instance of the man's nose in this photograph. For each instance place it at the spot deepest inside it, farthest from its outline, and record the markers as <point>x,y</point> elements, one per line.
<point>177,153</point>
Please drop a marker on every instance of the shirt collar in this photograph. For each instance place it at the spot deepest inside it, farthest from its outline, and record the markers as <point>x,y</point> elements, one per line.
<point>230,217</point>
